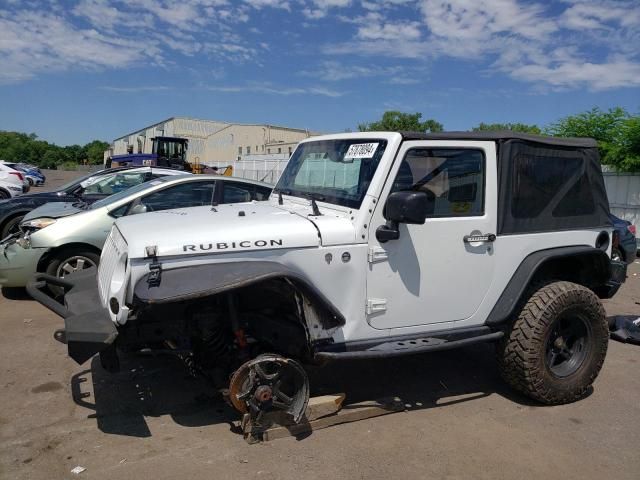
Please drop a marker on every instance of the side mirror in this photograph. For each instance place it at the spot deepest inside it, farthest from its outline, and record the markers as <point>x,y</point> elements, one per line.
<point>408,207</point>
<point>404,207</point>
<point>139,208</point>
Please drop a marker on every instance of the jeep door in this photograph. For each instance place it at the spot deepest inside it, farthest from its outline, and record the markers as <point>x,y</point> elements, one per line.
<point>436,273</point>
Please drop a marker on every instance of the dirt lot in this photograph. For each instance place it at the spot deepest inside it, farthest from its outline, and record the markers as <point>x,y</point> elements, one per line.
<point>152,421</point>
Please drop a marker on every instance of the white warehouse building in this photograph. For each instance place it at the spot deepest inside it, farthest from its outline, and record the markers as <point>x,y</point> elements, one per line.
<point>254,150</point>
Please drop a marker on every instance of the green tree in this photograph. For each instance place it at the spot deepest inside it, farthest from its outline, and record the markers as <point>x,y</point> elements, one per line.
<point>395,121</point>
<point>22,147</point>
<point>616,131</point>
<point>514,127</point>
<point>95,151</point>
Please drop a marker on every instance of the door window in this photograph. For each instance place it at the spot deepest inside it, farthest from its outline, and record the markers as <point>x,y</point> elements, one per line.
<point>191,194</point>
<point>238,192</point>
<point>453,179</point>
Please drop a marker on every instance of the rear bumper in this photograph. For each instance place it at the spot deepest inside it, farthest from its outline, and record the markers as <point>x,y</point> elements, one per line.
<point>88,328</point>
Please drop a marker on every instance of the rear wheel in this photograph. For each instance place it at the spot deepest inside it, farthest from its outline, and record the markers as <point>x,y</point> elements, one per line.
<point>555,349</point>
<point>30,182</point>
<point>4,195</point>
<point>69,261</point>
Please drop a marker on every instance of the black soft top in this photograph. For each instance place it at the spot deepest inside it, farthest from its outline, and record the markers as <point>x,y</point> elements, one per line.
<point>545,184</point>
<point>503,135</point>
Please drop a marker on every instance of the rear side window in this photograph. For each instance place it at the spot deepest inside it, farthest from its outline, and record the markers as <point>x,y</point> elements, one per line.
<point>190,194</point>
<point>551,185</point>
<point>454,179</point>
<point>238,192</point>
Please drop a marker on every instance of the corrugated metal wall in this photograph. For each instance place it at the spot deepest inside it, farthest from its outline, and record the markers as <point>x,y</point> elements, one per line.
<point>623,190</point>
<point>264,168</point>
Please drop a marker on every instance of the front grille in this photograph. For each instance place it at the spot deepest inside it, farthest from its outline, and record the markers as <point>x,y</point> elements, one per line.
<point>112,251</point>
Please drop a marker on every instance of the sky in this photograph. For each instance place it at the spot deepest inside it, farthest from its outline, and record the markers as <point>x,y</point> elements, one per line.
<point>76,70</point>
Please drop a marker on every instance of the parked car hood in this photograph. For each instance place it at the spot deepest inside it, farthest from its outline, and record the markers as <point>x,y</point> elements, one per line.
<point>54,210</point>
<point>223,229</point>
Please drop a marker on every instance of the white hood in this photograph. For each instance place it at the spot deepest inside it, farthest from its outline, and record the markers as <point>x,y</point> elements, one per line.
<point>228,228</point>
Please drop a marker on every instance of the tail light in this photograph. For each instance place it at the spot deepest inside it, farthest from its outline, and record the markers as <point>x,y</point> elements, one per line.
<point>632,229</point>
<point>17,174</point>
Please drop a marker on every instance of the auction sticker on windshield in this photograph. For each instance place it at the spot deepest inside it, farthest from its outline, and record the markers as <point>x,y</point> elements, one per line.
<point>361,150</point>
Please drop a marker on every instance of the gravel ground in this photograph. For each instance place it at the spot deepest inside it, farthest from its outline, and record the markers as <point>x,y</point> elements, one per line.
<point>152,421</point>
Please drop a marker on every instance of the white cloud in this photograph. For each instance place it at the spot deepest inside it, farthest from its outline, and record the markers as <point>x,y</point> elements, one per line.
<point>269,89</point>
<point>32,42</point>
<point>591,44</point>
<point>258,4</point>
<point>114,34</point>
<point>320,8</point>
<point>332,71</point>
<point>144,88</point>
<point>571,74</point>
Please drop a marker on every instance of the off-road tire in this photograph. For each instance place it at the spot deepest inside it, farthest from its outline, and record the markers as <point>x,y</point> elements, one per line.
<point>522,353</point>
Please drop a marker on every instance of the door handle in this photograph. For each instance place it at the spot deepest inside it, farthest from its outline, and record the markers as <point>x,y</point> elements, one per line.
<point>490,237</point>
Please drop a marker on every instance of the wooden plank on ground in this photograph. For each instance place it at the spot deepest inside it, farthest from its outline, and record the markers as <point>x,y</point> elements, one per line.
<point>348,413</point>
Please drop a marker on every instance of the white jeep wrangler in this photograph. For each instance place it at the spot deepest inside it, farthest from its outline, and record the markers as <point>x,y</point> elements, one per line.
<point>371,245</point>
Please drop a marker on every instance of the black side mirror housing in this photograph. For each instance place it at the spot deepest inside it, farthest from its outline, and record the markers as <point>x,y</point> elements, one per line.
<point>408,207</point>
<point>404,207</point>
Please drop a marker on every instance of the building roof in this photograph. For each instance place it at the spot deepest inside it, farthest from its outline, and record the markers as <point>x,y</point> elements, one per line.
<point>503,135</point>
<point>227,125</point>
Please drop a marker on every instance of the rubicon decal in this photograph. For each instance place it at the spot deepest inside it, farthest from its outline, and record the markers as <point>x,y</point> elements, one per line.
<point>204,247</point>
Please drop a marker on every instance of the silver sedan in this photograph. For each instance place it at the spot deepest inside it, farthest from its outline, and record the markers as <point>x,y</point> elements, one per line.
<point>60,238</point>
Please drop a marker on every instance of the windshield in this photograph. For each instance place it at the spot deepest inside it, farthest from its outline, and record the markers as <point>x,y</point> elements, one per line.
<point>334,171</point>
<point>128,192</point>
<point>76,182</point>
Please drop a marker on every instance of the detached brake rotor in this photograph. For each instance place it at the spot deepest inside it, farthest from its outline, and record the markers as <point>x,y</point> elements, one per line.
<point>270,382</point>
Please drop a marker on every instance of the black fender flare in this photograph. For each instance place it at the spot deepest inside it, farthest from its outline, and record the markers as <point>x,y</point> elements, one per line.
<point>190,283</point>
<point>533,263</point>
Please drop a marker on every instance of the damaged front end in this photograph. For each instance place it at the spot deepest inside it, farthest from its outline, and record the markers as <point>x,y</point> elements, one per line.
<point>249,321</point>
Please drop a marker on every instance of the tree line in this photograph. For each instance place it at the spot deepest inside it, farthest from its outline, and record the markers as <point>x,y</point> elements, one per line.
<point>27,148</point>
<point>616,131</point>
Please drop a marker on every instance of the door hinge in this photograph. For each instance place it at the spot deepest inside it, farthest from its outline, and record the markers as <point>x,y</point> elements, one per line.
<point>376,305</point>
<point>377,254</point>
<point>155,274</point>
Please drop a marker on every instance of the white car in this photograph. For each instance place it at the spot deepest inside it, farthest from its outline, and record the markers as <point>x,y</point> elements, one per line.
<point>11,182</point>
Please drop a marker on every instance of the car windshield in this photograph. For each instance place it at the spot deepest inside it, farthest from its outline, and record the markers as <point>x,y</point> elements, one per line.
<point>76,182</point>
<point>128,192</point>
<point>333,171</point>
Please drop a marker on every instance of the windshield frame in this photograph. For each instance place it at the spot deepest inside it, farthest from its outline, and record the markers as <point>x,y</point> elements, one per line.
<point>323,194</point>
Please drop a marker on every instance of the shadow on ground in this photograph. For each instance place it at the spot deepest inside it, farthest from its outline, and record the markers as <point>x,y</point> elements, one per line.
<point>155,386</point>
<point>15,293</point>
